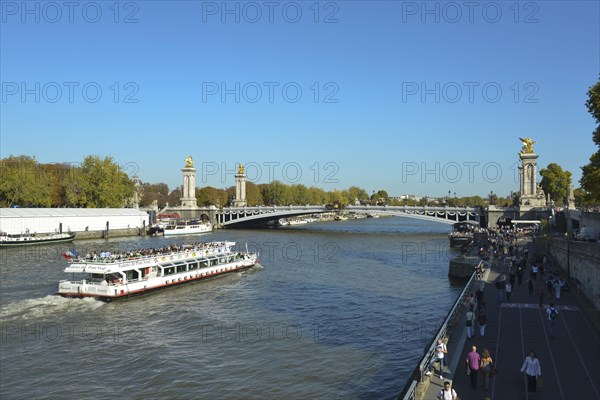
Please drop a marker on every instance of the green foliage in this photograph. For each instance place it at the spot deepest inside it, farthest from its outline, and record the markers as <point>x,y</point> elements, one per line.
<point>590,178</point>
<point>23,183</point>
<point>556,182</point>
<point>95,183</point>
<point>99,183</point>
<point>208,196</point>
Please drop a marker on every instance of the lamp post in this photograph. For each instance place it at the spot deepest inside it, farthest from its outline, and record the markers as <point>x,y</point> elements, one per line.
<point>568,239</point>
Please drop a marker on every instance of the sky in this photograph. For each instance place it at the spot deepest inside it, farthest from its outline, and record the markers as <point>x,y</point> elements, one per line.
<point>419,98</point>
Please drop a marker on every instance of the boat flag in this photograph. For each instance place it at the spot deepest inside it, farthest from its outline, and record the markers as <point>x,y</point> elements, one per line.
<point>70,254</point>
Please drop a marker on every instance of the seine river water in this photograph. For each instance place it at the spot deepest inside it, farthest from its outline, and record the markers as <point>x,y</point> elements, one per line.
<point>336,310</point>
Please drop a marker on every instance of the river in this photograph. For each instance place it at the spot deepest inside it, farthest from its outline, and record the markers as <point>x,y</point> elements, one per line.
<point>336,310</point>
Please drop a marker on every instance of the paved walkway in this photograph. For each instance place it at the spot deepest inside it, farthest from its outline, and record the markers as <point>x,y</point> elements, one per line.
<point>570,361</point>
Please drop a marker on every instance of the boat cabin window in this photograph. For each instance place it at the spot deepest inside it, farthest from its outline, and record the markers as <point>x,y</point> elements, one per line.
<point>193,266</point>
<point>203,264</point>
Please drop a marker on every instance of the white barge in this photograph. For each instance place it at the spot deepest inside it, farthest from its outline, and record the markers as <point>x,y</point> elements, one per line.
<point>110,277</point>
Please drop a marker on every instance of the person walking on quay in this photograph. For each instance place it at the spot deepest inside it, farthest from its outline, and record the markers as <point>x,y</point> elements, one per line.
<point>533,370</point>
<point>541,295</point>
<point>479,297</point>
<point>440,351</point>
<point>557,288</point>
<point>482,320</point>
<point>447,393</point>
<point>470,323</point>
<point>530,285</point>
<point>500,287</point>
<point>534,271</point>
<point>519,274</point>
<point>552,314</point>
<point>508,290</point>
<point>486,366</point>
<point>473,361</point>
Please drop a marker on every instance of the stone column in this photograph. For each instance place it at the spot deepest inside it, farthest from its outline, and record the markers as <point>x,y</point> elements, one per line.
<point>240,188</point>
<point>188,198</point>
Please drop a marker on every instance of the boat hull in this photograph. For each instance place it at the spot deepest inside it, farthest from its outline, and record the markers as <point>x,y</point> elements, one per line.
<point>35,241</point>
<point>123,291</point>
<point>460,241</point>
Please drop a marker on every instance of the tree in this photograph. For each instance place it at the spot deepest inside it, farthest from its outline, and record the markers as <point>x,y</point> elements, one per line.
<point>590,178</point>
<point>210,196</point>
<point>151,192</point>
<point>99,183</point>
<point>556,182</point>
<point>381,194</point>
<point>23,182</point>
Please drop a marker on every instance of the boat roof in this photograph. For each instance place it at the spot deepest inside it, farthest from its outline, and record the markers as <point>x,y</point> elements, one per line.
<point>469,222</point>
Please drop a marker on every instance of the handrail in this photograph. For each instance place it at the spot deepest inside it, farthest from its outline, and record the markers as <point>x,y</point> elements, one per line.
<point>409,390</point>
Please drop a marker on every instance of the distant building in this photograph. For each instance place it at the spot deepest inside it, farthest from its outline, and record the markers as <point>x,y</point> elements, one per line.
<point>49,220</point>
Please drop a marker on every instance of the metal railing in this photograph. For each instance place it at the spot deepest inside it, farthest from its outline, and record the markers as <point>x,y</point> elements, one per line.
<point>453,315</point>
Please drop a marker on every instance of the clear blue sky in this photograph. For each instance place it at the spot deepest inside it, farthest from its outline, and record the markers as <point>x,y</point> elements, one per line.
<point>389,89</point>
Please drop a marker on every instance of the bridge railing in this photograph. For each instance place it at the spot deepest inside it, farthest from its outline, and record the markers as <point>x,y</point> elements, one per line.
<point>453,316</point>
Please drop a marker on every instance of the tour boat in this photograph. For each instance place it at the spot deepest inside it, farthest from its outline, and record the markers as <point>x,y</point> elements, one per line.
<point>109,276</point>
<point>462,233</point>
<point>34,238</point>
<point>187,228</point>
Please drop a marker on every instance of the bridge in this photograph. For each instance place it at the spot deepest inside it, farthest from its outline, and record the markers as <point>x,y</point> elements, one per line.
<point>252,216</point>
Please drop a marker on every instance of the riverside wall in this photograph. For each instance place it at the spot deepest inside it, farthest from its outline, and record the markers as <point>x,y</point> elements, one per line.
<point>578,260</point>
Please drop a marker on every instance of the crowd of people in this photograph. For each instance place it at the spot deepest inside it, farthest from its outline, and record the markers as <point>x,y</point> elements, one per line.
<point>168,250</point>
<point>512,262</point>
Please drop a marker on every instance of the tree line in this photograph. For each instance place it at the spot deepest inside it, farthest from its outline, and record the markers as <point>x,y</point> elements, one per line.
<point>93,183</point>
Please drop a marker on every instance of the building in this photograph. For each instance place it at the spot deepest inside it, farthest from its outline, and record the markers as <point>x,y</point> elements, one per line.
<point>49,220</point>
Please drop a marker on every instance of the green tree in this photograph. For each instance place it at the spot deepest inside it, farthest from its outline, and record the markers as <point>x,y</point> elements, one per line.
<point>253,194</point>
<point>151,192</point>
<point>556,182</point>
<point>381,194</point>
<point>99,183</point>
<point>590,177</point>
<point>23,182</point>
<point>210,196</point>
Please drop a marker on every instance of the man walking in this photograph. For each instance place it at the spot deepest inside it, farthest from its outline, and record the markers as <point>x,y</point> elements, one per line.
<point>470,323</point>
<point>440,351</point>
<point>473,361</point>
<point>447,393</point>
<point>552,314</point>
<point>533,370</point>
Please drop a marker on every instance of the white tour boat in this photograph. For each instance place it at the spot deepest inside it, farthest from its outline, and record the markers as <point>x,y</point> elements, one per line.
<point>34,238</point>
<point>187,228</point>
<point>110,276</point>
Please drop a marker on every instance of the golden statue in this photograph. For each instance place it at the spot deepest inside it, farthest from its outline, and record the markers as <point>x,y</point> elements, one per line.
<point>527,146</point>
<point>189,162</point>
<point>240,169</point>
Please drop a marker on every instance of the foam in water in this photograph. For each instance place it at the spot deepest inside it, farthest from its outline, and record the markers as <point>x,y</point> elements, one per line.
<point>45,307</point>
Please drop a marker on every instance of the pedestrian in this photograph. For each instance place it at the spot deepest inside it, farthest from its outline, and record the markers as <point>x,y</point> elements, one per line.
<point>508,290</point>
<point>557,288</point>
<point>533,370</point>
<point>447,393</point>
<point>512,277</point>
<point>473,361</point>
<point>534,271</point>
<point>500,287</point>
<point>552,314</point>
<point>486,366</point>
<point>541,295</point>
<point>482,321</point>
<point>519,274</point>
<point>470,302</point>
<point>440,351</point>
<point>479,297</point>
<point>470,322</point>
<point>530,285</point>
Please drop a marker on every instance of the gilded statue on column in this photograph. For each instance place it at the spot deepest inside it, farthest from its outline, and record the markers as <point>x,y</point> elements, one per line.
<point>527,145</point>
<point>240,169</point>
<point>189,162</point>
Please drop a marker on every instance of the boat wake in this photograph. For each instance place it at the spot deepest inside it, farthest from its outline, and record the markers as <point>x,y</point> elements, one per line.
<point>50,307</point>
